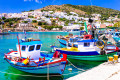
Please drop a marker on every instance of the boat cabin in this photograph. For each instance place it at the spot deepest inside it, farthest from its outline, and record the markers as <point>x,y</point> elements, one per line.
<point>30,49</point>
<point>86,45</point>
<point>87,37</point>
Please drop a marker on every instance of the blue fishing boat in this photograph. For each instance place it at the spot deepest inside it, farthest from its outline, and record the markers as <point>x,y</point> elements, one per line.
<point>70,40</point>
<point>28,58</point>
<point>116,37</point>
<point>70,43</point>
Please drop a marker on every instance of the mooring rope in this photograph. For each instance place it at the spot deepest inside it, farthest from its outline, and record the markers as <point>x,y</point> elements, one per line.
<point>46,75</point>
<point>76,67</point>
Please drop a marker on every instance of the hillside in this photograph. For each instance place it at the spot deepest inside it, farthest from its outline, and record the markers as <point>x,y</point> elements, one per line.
<point>81,9</point>
<point>63,8</point>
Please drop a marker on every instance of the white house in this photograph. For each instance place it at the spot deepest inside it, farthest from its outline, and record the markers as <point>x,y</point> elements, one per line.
<point>0,15</point>
<point>96,16</point>
<point>72,27</point>
<point>73,13</point>
<point>24,24</point>
<point>24,14</point>
<point>109,24</point>
<point>4,15</point>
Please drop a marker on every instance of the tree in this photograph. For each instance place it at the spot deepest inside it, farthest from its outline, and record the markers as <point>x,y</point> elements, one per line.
<point>53,22</point>
<point>0,21</point>
<point>118,16</point>
<point>117,24</point>
<point>66,23</point>
<point>31,10</point>
<point>3,18</point>
<point>45,26</point>
<point>44,23</point>
<point>50,27</point>
<point>39,23</point>
<point>62,19</point>
<point>25,21</point>
<point>47,16</point>
<point>81,28</point>
<point>10,24</point>
<point>6,20</point>
<point>31,16</point>
<point>60,27</point>
<point>34,21</point>
<point>82,24</point>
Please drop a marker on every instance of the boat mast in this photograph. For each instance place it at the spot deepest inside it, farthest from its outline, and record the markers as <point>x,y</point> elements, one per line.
<point>92,29</point>
<point>19,45</point>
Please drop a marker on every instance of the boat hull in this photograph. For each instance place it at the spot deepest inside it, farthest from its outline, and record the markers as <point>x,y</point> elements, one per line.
<point>57,68</point>
<point>4,33</point>
<point>63,43</point>
<point>87,56</point>
<point>92,57</point>
<point>74,53</point>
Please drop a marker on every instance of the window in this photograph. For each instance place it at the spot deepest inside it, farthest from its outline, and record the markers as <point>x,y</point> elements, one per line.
<point>38,47</point>
<point>23,48</point>
<point>86,44</point>
<point>31,48</point>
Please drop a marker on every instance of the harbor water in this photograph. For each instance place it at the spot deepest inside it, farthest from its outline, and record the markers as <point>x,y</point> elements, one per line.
<point>7,42</point>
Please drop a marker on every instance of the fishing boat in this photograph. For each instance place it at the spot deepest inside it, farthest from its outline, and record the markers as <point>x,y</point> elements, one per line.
<point>70,40</point>
<point>116,37</point>
<point>89,49</point>
<point>28,58</point>
<point>2,32</point>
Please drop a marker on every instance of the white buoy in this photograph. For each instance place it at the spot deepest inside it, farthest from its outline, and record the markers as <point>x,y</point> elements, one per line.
<point>70,69</point>
<point>10,49</point>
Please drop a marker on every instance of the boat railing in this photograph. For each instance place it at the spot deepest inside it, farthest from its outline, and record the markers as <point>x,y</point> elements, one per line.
<point>32,62</point>
<point>20,60</point>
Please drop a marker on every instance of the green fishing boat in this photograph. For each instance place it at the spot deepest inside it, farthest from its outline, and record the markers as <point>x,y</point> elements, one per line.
<point>88,50</point>
<point>92,57</point>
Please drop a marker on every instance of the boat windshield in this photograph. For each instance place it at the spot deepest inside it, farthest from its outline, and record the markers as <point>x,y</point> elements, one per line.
<point>73,40</point>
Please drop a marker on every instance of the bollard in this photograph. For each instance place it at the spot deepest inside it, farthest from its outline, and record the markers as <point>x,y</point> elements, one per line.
<point>115,58</point>
<point>110,59</point>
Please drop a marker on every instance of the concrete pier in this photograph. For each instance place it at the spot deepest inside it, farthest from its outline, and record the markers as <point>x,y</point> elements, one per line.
<point>105,71</point>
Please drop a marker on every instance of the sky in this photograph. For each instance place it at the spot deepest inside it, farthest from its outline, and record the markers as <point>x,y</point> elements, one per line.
<point>17,6</point>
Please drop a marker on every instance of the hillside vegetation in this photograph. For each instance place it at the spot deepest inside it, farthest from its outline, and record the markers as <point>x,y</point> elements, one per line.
<point>82,10</point>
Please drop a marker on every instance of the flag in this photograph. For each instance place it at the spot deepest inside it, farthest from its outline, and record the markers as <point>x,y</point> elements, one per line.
<point>85,27</point>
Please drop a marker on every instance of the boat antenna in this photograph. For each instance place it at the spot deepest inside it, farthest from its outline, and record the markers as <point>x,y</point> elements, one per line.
<point>91,6</point>
<point>91,21</point>
<point>19,45</point>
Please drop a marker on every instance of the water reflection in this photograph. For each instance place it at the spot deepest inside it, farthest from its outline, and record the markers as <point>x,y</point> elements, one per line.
<point>31,77</point>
